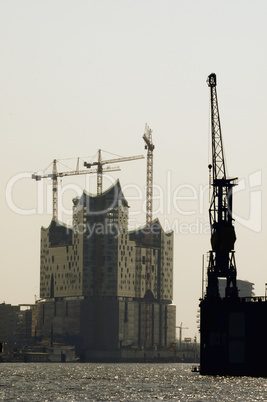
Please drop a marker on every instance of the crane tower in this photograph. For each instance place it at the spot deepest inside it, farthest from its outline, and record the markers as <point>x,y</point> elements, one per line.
<point>222,256</point>
<point>149,146</point>
<point>100,163</point>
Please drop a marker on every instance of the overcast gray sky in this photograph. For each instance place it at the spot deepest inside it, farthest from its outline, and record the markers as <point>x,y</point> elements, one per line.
<point>76,76</point>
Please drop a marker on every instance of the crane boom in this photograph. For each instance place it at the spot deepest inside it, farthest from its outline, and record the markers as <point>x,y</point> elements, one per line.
<point>123,159</point>
<point>218,163</point>
<point>73,173</point>
<point>221,258</point>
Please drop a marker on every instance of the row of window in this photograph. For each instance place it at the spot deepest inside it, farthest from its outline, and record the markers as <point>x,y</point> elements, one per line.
<point>70,265</point>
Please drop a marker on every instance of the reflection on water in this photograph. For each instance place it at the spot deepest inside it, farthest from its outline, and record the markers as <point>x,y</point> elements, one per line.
<point>122,382</point>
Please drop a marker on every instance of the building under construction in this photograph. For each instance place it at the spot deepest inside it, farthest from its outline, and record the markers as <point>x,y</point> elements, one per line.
<point>93,282</point>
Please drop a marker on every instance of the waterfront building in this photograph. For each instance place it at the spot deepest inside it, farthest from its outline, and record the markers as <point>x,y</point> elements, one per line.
<point>93,278</point>
<point>245,288</point>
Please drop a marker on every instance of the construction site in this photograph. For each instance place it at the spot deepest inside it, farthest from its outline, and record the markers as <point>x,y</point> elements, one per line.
<point>104,289</point>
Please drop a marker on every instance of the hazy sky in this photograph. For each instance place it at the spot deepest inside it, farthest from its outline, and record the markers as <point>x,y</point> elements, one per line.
<point>76,76</point>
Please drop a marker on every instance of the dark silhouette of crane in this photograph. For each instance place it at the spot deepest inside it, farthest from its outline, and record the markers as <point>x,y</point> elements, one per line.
<point>222,256</point>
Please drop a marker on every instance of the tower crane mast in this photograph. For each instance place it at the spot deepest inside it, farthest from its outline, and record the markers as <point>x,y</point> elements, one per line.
<point>147,137</point>
<point>221,257</point>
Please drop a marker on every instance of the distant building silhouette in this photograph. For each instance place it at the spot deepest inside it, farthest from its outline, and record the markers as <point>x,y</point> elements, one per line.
<point>245,288</point>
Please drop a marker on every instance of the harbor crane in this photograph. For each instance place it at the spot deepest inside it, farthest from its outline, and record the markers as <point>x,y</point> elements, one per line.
<point>100,163</point>
<point>222,256</point>
<point>149,146</point>
<point>55,175</point>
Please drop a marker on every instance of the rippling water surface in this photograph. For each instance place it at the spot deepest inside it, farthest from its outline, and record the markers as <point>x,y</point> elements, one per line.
<point>122,382</point>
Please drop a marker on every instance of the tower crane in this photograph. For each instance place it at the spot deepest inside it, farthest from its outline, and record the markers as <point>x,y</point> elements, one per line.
<point>221,257</point>
<point>55,175</point>
<point>149,146</point>
<point>100,163</point>
<point>180,333</point>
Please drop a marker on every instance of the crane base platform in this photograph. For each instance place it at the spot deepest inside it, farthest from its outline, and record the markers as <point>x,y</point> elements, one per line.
<point>232,336</point>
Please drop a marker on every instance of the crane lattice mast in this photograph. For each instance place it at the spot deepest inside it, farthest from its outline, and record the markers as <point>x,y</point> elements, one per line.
<point>55,191</point>
<point>221,258</point>
<point>149,209</point>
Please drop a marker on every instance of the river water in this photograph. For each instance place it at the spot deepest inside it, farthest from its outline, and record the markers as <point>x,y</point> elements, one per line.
<point>122,382</point>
